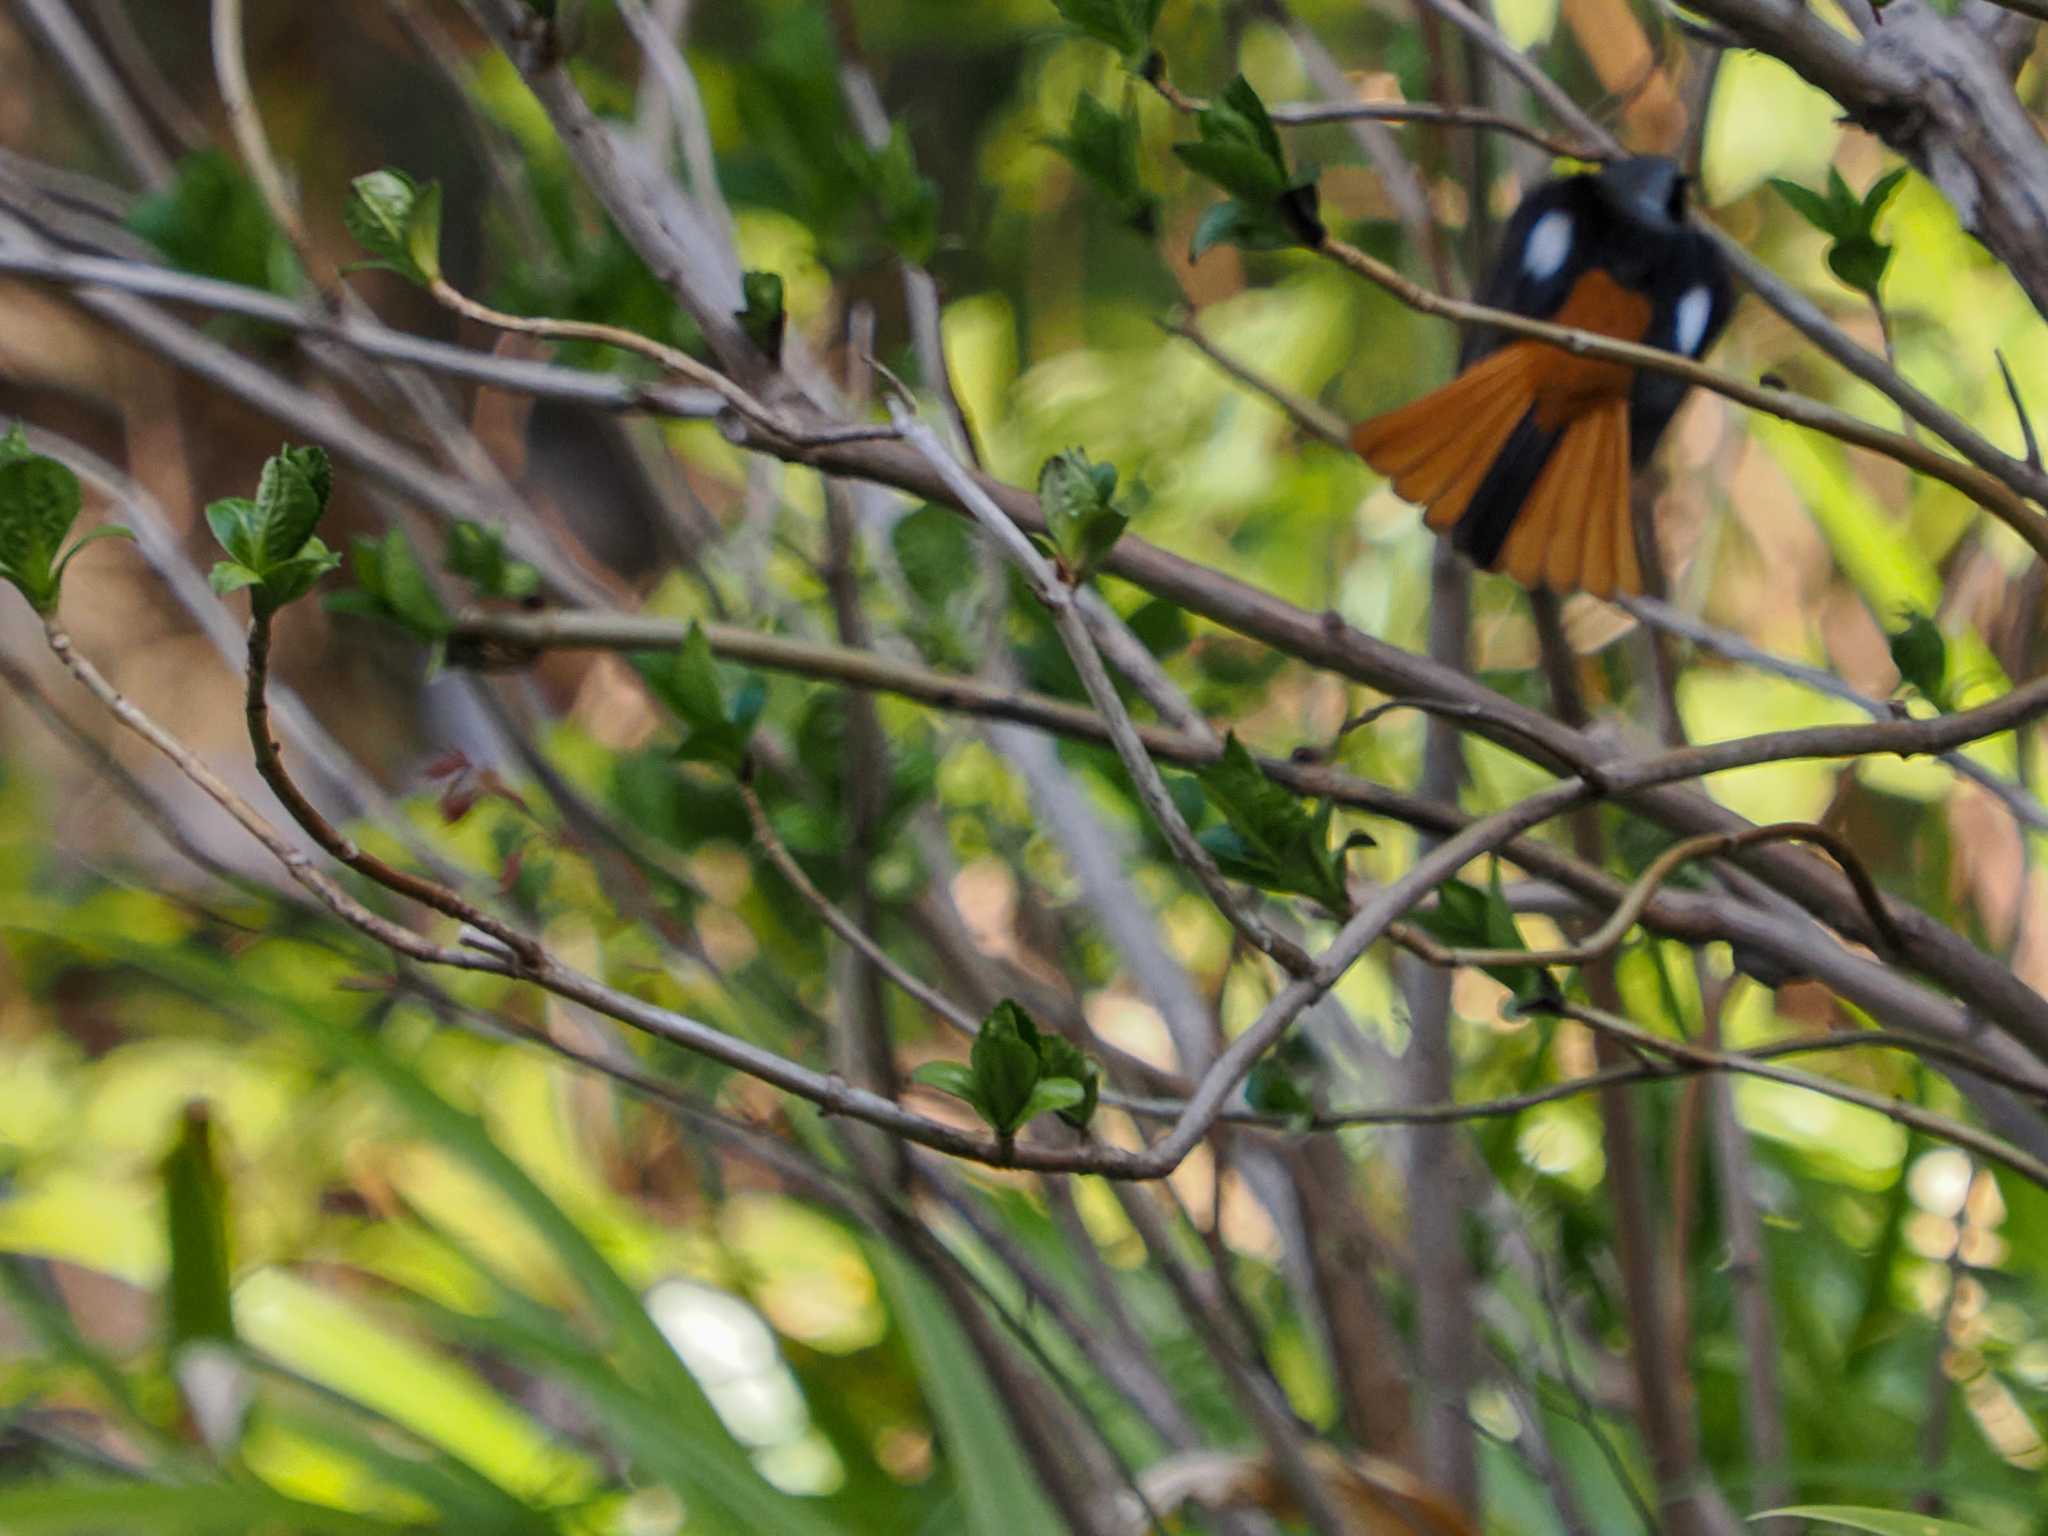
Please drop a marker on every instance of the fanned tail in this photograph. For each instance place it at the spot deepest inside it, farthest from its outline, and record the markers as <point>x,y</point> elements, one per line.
<point>1547,505</point>
<point>1437,450</point>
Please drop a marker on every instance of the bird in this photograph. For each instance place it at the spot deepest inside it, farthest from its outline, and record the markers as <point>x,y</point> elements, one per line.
<point>1524,459</point>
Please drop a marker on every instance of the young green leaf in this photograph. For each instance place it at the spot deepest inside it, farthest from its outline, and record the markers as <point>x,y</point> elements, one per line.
<point>231,576</point>
<point>1103,146</point>
<point>1270,840</point>
<point>1081,518</point>
<point>290,497</point>
<point>391,585</point>
<point>423,233</point>
<point>1239,149</point>
<point>1006,1067</point>
<point>476,554</point>
<point>39,502</point>
<point>715,730</point>
<point>762,319</point>
<point>1469,918</point>
<point>397,221</point>
<point>1050,1094</point>
<point>271,537</point>
<point>211,220</point>
<point>1063,1061</point>
<point>1920,652</point>
<point>954,1077</point>
<point>1125,25</point>
<point>1855,254</point>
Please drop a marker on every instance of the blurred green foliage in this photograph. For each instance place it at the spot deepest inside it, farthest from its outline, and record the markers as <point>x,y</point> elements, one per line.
<point>316,1244</point>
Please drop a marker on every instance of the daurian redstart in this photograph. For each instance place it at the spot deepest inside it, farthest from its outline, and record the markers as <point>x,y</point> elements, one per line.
<point>1524,458</point>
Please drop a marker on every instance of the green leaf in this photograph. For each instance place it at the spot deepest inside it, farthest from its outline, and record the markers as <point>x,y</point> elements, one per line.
<point>380,213</point>
<point>1103,146</point>
<point>1125,25</point>
<point>233,521</point>
<point>1006,1067</point>
<point>1855,254</point>
<point>392,585</point>
<point>1469,918</point>
<point>1860,263</point>
<point>104,531</point>
<point>1077,499</point>
<point>908,202</point>
<point>763,319</point>
<point>231,576</point>
<point>290,580</point>
<point>1809,205</point>
<point>476,554</point>
<point>291,495</point>
<point>14,446</point>
<point>1879,1522</point>
<point>1048,1094</point>
<point>211,220</point>
<point>195,1206</point>
<point>1920,652</point>
<point>39,501</point>
<point>686,680</point>
<point>423,233</point>
<point>1062,1060</point>
<point>1239,148</point>
<point>1273,841</point>
<point>954,1077</point>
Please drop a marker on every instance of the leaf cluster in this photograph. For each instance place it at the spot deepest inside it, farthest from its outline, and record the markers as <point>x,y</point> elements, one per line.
<point>1125,25</point>
<point>210,219</point>
<point>269,540</point>
<point>1103,146</point>
<point>1016,1072</point>
<point>1269,838</point>
<point>1855,254</point>
<point>1469,918</point>
<point>1920,652</point>
<point>716,724</point>
<point>1270,208</point>
<point>1082,518</point>
<point>398,221</point>
<point>477,555</point>
<point>39,501</point>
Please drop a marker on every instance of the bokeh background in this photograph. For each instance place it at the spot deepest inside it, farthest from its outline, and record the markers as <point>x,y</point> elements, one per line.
<point>476,1287</point>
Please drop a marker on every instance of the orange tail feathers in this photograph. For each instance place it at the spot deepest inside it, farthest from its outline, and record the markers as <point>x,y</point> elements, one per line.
<point>1581,504</point>
<point>1574,530</point>
<point>1437,449</point>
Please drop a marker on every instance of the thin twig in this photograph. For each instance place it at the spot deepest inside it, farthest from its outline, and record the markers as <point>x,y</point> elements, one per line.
<point>1307,114</point>
<point>2025,1164</point>
<point>777,854</point>
<point>270,764</point>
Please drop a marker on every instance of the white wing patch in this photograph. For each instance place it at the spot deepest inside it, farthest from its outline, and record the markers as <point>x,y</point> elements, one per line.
<point>1689,328</point>
<point>1550,242</point>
